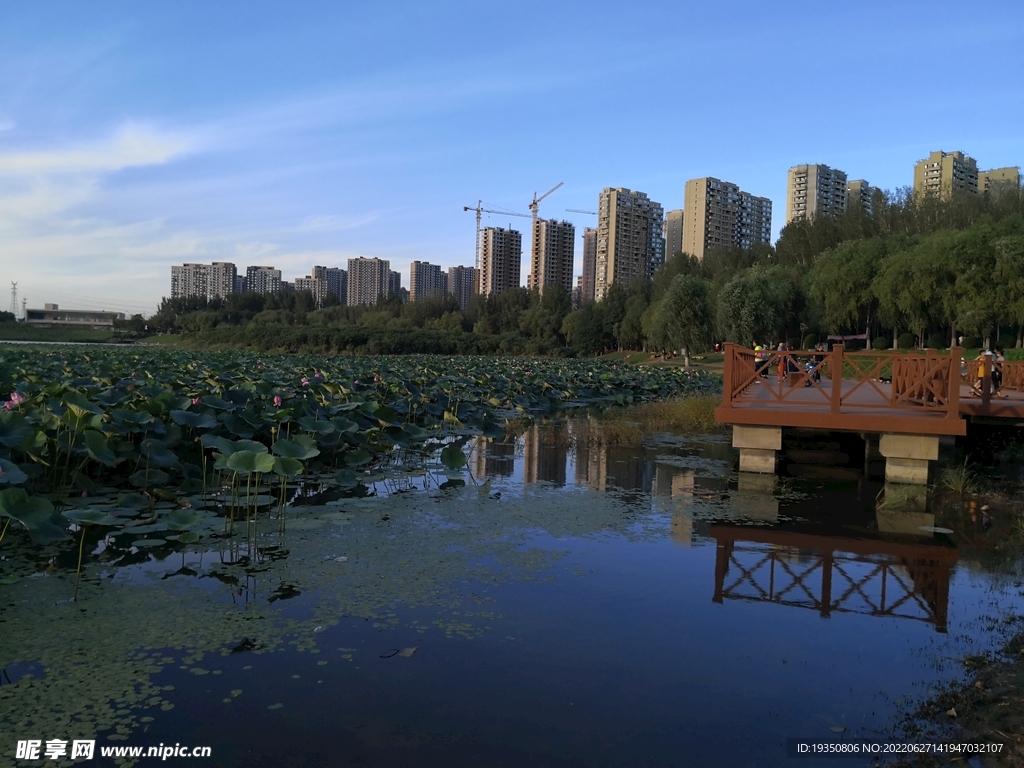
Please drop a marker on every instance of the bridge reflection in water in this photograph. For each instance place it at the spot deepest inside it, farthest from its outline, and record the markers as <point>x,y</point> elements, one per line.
<point>833,574</point>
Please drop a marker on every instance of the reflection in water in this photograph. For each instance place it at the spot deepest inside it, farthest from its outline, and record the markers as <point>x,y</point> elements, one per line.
<point>545,623</point>
<point>833,574</point>
<point>830,570</point>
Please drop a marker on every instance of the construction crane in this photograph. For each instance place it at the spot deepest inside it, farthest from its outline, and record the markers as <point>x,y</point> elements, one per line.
<point>480,210</point>
<point>536,201</point>
<point>577,210</point>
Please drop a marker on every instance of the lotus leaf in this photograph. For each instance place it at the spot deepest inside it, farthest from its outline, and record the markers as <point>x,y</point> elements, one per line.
<point>134,501</point>
<point>78,404</point>
<point>98,447</point>
<point>346,478</point>
<point>319,427</point>
<point>211,401</point>
<point>158,453</point>
<point>91,517</point>
<point>11,474</point>
<point>146,478</point>
<point>247,461</point>
<point>33,512</point>
<point>222,444</point>
<point>359,457</point>
<point>249,445</point>
<point>194,420</point>
<point>453,458</point>
<point>184,520</point>
<point>14,429</point>
<point>288,449</point>
<point>287,467</point>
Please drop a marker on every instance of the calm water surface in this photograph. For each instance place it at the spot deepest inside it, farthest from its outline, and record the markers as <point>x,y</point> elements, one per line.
<point>581,606</point>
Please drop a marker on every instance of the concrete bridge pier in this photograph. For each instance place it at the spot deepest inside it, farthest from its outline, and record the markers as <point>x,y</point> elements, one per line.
<point>758,447</point>
<point>907,457</point>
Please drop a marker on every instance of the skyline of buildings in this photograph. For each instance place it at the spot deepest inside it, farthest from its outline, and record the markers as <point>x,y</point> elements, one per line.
<point>633,237</point>
<point>944,173</point>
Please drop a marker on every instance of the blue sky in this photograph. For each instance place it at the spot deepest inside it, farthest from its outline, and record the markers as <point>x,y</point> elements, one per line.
<point>134,136</point>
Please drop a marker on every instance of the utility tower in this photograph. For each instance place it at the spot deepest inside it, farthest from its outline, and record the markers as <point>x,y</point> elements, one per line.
<point>14,299</point>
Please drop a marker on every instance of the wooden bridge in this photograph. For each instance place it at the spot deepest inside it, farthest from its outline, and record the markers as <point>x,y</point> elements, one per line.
<point>909,398</point>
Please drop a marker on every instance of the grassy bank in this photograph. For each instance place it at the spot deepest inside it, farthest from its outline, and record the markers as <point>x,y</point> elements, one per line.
<point>631,425</point>
<point>24,332</point>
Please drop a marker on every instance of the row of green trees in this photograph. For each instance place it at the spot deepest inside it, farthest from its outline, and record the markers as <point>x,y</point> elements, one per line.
<point>931,268</point>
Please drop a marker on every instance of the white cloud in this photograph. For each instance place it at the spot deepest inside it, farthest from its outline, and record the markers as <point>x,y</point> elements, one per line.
<point>131,145</point>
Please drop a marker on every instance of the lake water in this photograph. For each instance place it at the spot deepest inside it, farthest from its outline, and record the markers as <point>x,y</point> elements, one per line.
<point>571,605</point>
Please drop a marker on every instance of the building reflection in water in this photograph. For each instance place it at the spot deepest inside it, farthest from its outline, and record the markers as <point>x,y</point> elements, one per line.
<point>546,453</point>
<point>886,573</point>
<point>493,458</point>
<point>834,573</point>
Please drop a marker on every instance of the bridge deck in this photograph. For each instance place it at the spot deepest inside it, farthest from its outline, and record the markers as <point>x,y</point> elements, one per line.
<point>885,393</point>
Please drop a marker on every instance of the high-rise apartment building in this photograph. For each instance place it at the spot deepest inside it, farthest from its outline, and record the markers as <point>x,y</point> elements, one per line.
<point>317,286</point>
<point>999,180</point>
<point>368,279</point>
<point>861,194</point>
<point>815,190</point>
<point>501,254</point>
<point>630,243</point>
<point>395,289</point>
<point>554,253</point>
<point>425,280</point>
<point>942,174</point>
<point>673,232</point>
<point>336,280</point>
<point>221,280</point>
<point>462,284</point>
<point>588,278</point>
<point>262,280</point>
<point>188,280</point>
<point>718,214</point>
<point>209,280</point>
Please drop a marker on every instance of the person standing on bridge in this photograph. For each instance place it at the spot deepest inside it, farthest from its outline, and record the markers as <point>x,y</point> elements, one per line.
<point>760,359</point>
<point>997,372</point>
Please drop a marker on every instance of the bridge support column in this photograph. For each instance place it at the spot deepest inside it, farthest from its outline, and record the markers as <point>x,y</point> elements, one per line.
<point>907,457</point>
<point>758,447</point>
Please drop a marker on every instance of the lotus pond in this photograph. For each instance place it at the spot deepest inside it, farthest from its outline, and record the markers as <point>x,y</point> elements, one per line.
<point>546,600</point>
<point>129,442</point>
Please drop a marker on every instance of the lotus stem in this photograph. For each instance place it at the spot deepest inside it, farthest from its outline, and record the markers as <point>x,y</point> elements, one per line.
<point>78,571</point>
<point>4,531</point>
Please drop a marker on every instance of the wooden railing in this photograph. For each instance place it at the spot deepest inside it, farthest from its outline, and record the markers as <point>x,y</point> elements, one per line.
<point>898,380</point>
<point>989,378</point>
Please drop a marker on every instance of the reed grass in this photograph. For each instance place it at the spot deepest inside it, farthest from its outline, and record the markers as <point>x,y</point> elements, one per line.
<point>683,415</point>
<point>959,480</point>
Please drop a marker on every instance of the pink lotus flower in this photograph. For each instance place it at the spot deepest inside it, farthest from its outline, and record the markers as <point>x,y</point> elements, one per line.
<point>305,381</point>
<point>277,401</point>
<point>197,401</point>
<point>15,401</point>
<point>376,378</point>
